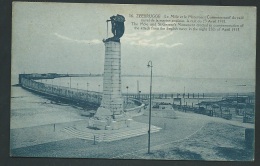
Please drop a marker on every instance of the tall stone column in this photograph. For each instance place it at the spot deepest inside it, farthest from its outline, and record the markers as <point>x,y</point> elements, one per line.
<point>110,114</point>
<point>112,101</point>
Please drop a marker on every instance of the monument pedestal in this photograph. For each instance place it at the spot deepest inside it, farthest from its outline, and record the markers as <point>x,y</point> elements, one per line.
<point>110,114</point>
<point>109,123</point>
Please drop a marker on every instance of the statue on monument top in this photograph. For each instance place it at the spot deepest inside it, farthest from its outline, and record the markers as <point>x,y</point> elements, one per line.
<point>118,28</point>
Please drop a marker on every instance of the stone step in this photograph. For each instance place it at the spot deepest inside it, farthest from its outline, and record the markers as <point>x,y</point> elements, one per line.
<point>84,134</point>
<point>107,137</point>
<point>78,134</point>
<point>76,131</point>
<point>124,135</point>
<point>143,129</point>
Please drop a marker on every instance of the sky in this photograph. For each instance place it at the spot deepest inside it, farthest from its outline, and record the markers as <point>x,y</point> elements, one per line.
<point>67,38</point>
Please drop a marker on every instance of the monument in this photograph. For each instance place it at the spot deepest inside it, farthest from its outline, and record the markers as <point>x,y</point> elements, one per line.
<point>110,115</point>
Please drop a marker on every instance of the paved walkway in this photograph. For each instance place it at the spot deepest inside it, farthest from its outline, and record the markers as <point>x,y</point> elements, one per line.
<point>35,135</point>
<point>212,119</point>
<point>61,144</point>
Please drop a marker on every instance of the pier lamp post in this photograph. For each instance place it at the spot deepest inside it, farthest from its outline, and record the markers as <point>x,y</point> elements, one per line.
<point>127,95</point>
<point>184,97</point>
<point>199,99</point>
<point>52,85</point>
<point>70,82</point>
<point>87,90</point>
<point>59,86</point>
<point>150,64</point>
<point>99,93</point>
<point>87,86</point>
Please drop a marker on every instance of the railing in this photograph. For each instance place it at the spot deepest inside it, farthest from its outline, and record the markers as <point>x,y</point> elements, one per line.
<point>63,92</point>
<point>72,94</point>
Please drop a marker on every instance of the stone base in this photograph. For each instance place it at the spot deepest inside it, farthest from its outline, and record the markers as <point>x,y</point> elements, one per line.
<point>106,124</point>
<point>103,112</point>
<point>96,123</point>
<point>104,119</point>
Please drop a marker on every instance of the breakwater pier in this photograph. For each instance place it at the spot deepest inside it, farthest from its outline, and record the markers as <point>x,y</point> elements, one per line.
<point>28,81</point>
<point>210,104</point>
<point>77,96</point>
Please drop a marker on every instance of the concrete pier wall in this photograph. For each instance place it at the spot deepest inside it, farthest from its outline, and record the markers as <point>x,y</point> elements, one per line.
<point>71,94</point>
<point>62,92</point>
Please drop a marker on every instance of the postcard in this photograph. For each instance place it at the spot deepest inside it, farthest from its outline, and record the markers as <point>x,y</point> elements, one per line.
<point>118,81</point>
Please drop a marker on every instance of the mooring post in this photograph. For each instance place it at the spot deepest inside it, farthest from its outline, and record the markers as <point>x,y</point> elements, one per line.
<point>53,127</point>
<point>94,140</point>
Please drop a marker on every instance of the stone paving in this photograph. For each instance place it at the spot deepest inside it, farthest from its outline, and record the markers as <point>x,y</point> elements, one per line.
<point>185,132</point>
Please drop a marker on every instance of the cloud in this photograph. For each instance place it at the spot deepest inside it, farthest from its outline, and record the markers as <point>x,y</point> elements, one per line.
<point>144,39</point>
<point>164,36</point>
<point>157,45</point>
<point>149,39</point>
<point>94,41</point>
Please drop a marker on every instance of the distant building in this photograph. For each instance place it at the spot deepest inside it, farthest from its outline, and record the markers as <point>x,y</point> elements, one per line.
<point>240,99</point>
<point>162,105</point>
<point>177,101</point>
<point>165,106</point>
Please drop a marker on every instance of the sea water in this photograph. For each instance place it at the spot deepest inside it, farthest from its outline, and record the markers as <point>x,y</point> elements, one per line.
<point>161,84</point>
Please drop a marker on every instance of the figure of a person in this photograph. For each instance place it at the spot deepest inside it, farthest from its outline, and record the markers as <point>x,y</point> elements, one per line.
<point>118,28</point>
<point>113,25</point>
